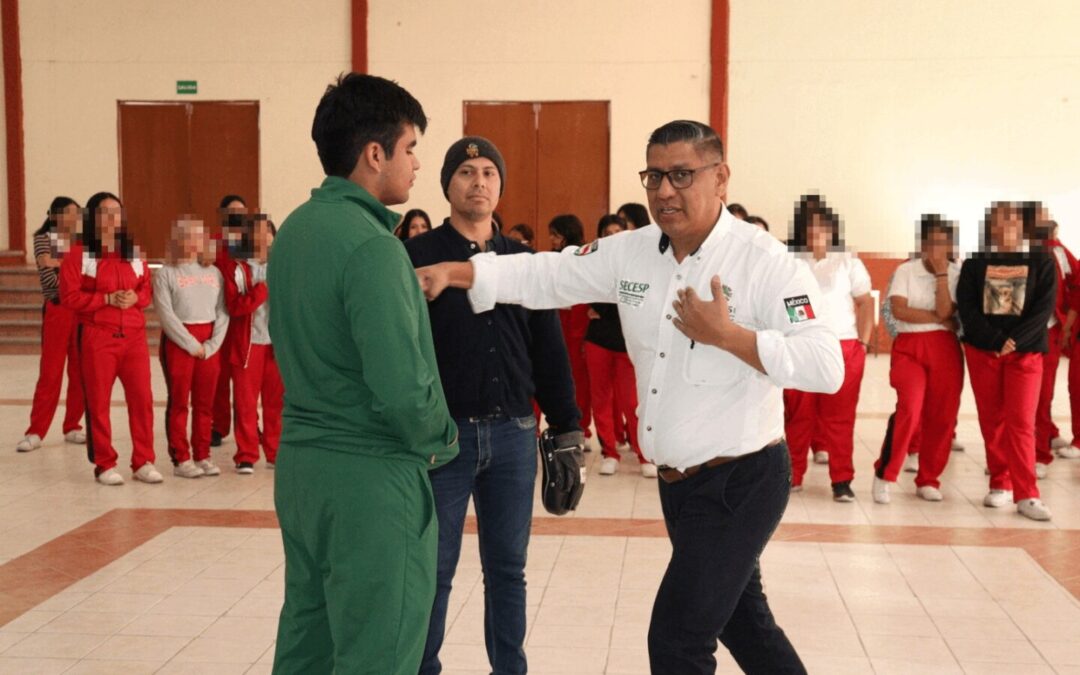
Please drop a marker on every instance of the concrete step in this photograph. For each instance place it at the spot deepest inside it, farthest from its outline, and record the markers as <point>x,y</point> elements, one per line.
<point>20,277</point>
<point>14,295</point>
<point>22,312</point>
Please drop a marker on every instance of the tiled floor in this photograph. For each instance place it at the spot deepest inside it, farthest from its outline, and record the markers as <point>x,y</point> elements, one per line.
<point>186,576</point>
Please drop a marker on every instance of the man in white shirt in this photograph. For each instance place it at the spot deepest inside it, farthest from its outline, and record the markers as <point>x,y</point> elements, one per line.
<point>718,319</point>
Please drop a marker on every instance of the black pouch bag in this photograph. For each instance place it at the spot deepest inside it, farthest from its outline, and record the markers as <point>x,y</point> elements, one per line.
<point>563,460</point>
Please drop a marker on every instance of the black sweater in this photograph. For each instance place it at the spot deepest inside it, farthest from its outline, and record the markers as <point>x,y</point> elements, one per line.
<point>494,363</point>
<point>606,331</point>
<point>1007,295</point>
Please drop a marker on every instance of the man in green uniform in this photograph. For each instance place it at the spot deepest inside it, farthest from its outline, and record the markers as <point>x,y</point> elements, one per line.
<point>365,417</point>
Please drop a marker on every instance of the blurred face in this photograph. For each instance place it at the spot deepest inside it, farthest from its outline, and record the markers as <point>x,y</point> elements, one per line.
<point>263,238</point>
<point>109,217</point>
<point>398,173</point>
<point>690,211</point>
<point>474,189</point>
<point>192,238</point>
<point>418,226</point>
<point>610,229</point>
<point>819,234</point>
<point>67,221</point>
<point>1007,229</point>
<point>558,242</point>
<point>937,246</point>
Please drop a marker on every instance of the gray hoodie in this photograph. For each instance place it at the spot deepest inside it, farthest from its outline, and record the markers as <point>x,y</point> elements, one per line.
<point>191,293</point>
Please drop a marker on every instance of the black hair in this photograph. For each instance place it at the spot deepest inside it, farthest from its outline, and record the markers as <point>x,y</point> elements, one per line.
<point>55,209</point>
<point>229,199</point>
<point>1036,231</point>
<point>609,219</point>
<point>525,231</point>
<point>806,209</point>
<point>360,109</point>
<point>738,210</point>
<point>569,227</point>
<point>403,228</point>
<point>636,214</point>
<point>702,136</point>
<point>756,220</point>
<point>92,240</point>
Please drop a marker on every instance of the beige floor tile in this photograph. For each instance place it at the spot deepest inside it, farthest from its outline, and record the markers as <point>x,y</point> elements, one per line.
<point>33,666</point>
<point>89,623</point>
<point>97,667</point>
<point>55,645</point>
<point>138,648</point>
<point>209,650</point>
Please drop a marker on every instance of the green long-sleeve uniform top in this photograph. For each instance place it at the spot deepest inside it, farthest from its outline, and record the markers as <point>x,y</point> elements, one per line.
<point>351,333</point>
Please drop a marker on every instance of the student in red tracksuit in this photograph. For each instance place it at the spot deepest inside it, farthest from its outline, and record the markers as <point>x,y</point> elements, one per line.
<point>567,230</point>
<point>1048,440</point>
<point>927,368</point>
<point>255,372</point>
<point>1006,295</point>
<point>58,343</point>
<point>849,311</point>
<point>611,376</point>
<point>190,302</point>
<point>231,210</point>
<point>108,285</point>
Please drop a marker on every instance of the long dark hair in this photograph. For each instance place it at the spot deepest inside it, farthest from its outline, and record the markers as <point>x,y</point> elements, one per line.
<point>92,240</point>
<point>636,214</point>
<point>569,227</point>
<point>403,228</point>
<point>55,209</point>
<point>806,209</point>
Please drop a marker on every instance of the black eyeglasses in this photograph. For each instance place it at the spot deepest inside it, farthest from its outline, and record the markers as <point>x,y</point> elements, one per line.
<point>680,179</point>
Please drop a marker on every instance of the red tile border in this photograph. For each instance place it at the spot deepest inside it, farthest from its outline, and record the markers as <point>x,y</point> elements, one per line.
<point>32,578</point>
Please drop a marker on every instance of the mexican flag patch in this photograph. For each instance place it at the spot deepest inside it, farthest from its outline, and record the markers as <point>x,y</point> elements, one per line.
<point>588,248</point>
<point>798,309</point>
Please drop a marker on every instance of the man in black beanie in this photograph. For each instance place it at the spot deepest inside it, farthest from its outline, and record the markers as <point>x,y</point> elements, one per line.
<point>491,365</point>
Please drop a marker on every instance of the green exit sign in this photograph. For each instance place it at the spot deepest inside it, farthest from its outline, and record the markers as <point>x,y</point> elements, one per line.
<point>187,86</point>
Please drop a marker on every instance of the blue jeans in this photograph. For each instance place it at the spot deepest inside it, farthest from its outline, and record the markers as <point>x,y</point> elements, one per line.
<point>719,521</point>
<point>496,465</point>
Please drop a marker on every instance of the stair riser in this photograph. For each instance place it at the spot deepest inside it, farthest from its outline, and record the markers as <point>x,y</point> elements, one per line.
<point>20,279</point>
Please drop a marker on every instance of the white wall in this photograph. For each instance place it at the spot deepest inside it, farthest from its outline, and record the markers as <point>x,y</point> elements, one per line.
<point>79,58</point>
<point>894,108</point>
<point>652,66</point>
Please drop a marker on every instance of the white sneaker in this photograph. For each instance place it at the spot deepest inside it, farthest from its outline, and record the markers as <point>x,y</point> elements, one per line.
<point>929,493</point>
<point>110,477</point>
<point>648,470</point>
<point>1069,452</point>
<point>1034,509</point>
<point>880,491</point>
<point>608,466</point>
<point>148,474</point>
<point>28,443</point>
<point>187,469</point>
<point>1058,443</point>
<point>76,436</point>
<point>208,468</point>
<point>821,457</point>
<point>911,464</point>
<point>995,499</point>
<point>1040,470</point>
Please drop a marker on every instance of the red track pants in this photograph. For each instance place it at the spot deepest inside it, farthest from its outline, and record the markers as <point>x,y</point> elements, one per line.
<point>59,343</point>
<point>613,394</point>
<point>927,372</point>
<point>107,356</point>
<point>260,379</point>
<point>223,409</point>
<point>829,417</point>
<point>1006,394</point>
<point>192,383</point>
<point>1045,429</point>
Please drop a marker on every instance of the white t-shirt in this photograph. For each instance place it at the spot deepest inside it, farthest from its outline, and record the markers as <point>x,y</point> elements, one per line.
<point>841,276</point>
<point>916,283</point>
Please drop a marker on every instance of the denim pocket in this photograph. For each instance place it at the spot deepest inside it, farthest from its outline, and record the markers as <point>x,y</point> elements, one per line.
<point>525,422</point>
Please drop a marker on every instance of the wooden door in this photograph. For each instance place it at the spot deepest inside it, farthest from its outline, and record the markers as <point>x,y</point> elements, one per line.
<point>557,155</point>
<point>181,158</point>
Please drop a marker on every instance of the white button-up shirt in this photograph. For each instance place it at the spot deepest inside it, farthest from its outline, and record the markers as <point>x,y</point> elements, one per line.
<point>696,402</point>
<point>841,276</point>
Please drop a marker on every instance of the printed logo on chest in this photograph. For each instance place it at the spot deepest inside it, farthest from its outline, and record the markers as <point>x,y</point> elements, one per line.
<point>632,293</point>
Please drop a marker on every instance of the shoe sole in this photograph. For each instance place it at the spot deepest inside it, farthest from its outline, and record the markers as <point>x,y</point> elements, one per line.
<point>843,499</point>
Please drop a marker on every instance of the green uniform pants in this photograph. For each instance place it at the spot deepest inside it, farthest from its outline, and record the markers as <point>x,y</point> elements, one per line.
<point>361,538</point>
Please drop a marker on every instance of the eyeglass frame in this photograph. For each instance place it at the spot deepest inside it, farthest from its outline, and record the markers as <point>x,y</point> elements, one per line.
<point>667,174</point>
